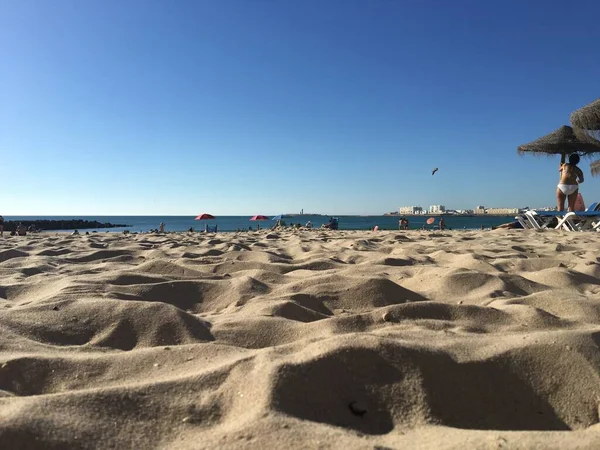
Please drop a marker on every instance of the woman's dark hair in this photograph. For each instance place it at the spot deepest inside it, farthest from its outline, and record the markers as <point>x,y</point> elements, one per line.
<point>574,159</point>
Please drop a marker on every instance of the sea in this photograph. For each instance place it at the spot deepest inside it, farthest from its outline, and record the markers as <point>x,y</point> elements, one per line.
<point>235,223</point>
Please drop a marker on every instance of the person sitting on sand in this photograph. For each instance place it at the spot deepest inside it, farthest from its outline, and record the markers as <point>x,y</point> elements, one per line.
<point>568,186</point>
<point>328,224</point>
<point>21,230</point>
<point>161,227</point>
<point>509,226</point>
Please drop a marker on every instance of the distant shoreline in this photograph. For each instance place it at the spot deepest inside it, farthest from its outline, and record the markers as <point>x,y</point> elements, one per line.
<point>449,215</point>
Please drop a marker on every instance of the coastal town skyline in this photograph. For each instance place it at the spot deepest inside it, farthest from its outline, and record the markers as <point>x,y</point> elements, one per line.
<point>478,210</point>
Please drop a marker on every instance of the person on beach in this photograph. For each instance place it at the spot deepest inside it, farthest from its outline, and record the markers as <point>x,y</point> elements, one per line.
<point>442,224</point>
<point>568,186</point>
<point>510,226</point>
<point>308,225</point>
<point>21,230</point>
<point>1,226</point>
<point>161,227</point>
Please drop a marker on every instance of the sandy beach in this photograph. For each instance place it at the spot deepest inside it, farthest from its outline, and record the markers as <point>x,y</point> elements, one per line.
<point>300,339</point>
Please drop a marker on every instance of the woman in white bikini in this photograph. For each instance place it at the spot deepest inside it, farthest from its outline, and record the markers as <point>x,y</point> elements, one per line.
<point>568,186</point>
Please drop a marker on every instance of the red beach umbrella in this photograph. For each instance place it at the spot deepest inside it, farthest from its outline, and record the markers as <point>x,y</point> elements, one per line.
<point>259,217</point>
<point>204,216</point>
<point>430,220</point>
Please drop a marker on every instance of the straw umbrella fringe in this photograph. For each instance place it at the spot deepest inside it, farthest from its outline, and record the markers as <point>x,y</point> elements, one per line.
<point>595,168</point>
<point>586,122</point>
<point>560,142</point>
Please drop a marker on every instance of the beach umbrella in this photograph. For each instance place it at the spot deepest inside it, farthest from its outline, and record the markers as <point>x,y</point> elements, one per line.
<point>562,141</point>
<point>259,218</point>
<point>279,217</point>
<point>205,216</point>
<point>430,220</point>
<point>586,122</point>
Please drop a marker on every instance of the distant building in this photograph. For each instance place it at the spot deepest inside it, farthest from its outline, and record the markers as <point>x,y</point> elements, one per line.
<point>507,211</point>
<point>480,210</point>
<point>437,209</point>
<point>411,210</point>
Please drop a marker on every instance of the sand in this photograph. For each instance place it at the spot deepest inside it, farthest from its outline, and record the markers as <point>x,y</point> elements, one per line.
<point>304,339</point>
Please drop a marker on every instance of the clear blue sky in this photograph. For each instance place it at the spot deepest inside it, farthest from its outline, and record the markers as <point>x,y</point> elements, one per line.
<point>265,106</point>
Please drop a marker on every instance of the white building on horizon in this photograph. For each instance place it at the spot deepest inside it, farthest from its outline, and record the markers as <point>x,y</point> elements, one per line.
<point>410,210</point>
<point>480,210</point>
<point>437,209</point>
<point>502,211</point>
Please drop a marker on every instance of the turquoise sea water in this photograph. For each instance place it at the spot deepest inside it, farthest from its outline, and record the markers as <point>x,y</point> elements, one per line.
<point>233,223</point>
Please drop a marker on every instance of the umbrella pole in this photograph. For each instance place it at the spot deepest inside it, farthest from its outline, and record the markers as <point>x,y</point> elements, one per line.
<point>563,158</point>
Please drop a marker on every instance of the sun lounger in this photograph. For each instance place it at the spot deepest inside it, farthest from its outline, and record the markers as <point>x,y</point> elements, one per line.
<point>580,221</point>
<point>569,221</point>
<point>523,221</point>
<point>541,220</point>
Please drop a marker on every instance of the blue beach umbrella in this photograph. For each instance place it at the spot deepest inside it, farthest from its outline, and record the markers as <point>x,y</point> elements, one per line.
<point>279,217</point>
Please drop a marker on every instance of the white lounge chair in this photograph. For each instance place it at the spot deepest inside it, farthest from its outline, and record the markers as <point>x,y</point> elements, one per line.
<point>569,221</point>
<point>541,220</point>
<point>581,220</point>
<point>523,221</point>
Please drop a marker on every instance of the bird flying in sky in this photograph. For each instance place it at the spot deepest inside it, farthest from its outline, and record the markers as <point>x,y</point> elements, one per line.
<point>434,171</point>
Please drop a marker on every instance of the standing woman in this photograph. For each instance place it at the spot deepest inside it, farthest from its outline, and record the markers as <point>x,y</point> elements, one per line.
<point>568,186</point>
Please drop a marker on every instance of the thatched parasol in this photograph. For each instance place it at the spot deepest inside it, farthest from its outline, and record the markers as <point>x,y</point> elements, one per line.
<point>595,168</point>
<point>586,122</point>
<point>560,142</point>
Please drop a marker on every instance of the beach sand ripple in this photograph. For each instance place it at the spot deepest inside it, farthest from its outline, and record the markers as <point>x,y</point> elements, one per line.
<point>298,339</point>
